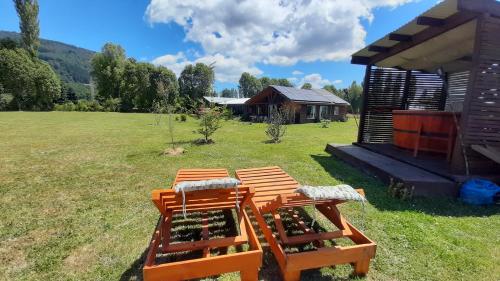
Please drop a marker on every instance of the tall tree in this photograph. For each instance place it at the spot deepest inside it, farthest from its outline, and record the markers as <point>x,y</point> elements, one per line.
<point>266,82</point>
<point>29,25</point>
<point>249,85</point>
<point>107,69</point>
<point>354,96</point>
<point>307,86</point>
<point>134,86</point>
<point>283,82</point>
<point>31,82</point>
<point>165,86</point>
<point>229,93</point>
<point>195,82</point>
<point>332,89</point>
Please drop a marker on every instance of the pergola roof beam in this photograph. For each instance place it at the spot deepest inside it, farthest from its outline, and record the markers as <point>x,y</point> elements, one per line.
<point>429,21</point>
<point>400,37</point>
<point>431,32</point>
<point>360,60</point>
<point>378,49</point>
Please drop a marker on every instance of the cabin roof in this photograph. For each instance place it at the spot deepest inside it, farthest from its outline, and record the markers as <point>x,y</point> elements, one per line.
<point>225,101</point>
<point>319,96</point>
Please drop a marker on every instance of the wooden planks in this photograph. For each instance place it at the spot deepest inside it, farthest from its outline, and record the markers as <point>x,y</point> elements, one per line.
<point>425,183</point>
<point>168,202</point>
<point>268,182</point>
<point>481,114</point>
<point>267,200</point>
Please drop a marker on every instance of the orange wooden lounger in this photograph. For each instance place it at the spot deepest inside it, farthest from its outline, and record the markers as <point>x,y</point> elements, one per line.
<point>275,192</point>
<point>169,203</point>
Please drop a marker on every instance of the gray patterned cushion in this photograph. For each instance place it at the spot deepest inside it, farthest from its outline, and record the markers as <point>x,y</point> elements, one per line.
<point>339,192</point>
<point>187,186</point>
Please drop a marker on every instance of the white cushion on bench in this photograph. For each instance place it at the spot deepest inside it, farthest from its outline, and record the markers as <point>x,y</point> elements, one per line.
<point>338,192</point>
<point>222,183</point>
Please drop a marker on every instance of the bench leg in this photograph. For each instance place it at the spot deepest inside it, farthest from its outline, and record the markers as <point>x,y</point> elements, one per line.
<point>291,275</point>
<point>361,267</point>
<point>249,275</point>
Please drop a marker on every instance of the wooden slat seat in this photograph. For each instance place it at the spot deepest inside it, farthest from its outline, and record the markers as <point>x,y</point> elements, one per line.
<point>274,191</point>
<point>170,203</point>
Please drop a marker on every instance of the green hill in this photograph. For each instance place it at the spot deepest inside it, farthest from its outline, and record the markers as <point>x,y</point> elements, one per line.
<point>71,63</point>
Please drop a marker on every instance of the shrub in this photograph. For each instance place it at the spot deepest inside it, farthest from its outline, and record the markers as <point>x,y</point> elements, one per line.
<point>209,123</point>
<point>82,105</point>
<point>183,117</point>
<point>325,123</point>
<point>94,106</point>
<point>111,105</point>
<point>276,125</point>
<point>6,101</point>
<point>228,114</point>
<point>67,106</point>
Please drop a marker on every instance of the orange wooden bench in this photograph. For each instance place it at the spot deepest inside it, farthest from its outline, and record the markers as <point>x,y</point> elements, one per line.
<point>170,203</point>
<point>275,192</point>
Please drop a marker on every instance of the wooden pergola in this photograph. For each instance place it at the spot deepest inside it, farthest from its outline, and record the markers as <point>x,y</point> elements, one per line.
<point>445,60</point>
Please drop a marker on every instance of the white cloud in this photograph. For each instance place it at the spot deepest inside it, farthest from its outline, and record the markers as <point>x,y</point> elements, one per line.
<point>297,72</point>
<point>316,81</point>
<point>278,32</point>
<point>226,69</point>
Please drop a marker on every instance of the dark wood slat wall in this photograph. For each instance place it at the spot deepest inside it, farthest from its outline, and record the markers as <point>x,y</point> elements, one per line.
<point>425,91</point>
<point>457,88</point>
<point>391,89</point>
<point>481,116</point>
<point>384,93</point>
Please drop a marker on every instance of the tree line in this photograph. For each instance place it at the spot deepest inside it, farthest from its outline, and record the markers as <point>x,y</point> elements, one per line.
<point>121,83</point>
<point>26,82</point>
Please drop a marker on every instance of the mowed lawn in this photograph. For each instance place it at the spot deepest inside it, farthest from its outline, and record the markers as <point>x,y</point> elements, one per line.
<point>75,199</point>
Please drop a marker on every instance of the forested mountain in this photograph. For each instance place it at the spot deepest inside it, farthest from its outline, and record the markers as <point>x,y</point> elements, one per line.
<point>71,63</point>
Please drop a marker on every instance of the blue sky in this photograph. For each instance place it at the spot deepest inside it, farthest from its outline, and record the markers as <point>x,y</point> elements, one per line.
<point>168,33</point>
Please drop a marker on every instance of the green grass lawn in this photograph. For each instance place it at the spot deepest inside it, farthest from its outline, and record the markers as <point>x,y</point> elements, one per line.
<point>75,199</point>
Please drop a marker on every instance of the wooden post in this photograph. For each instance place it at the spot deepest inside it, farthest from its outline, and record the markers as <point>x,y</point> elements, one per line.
<point>458,162</point>
<point>364,105</point>
<point>444,93</point>
<point>406,91</point>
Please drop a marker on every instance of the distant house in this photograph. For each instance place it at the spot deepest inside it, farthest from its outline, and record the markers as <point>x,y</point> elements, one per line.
<point>304,106</point>
<point>236,105</point>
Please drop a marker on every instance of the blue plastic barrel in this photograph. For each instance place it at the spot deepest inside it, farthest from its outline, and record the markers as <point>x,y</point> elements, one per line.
<point>479,192</point>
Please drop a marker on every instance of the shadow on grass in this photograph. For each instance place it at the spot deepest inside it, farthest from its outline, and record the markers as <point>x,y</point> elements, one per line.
<point>376,193</point>
<point>221,224</point>
<point>270,270</point>
<point>134,272</point>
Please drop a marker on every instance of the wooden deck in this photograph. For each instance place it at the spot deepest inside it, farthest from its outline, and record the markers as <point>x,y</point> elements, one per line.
<point>431,162</point>
<point>425,183</point>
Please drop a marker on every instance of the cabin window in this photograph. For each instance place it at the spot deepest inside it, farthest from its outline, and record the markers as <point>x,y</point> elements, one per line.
<point>323,112</point>
<point>311,112</point>
<point>336,110</point>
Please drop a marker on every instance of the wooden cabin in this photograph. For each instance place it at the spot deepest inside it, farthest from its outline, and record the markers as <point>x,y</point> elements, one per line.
<point>431,99</point>
<point>303,106</point>
<point>236,105</point>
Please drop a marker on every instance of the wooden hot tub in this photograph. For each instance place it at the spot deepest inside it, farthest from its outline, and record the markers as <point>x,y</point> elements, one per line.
<point>421,130</point>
